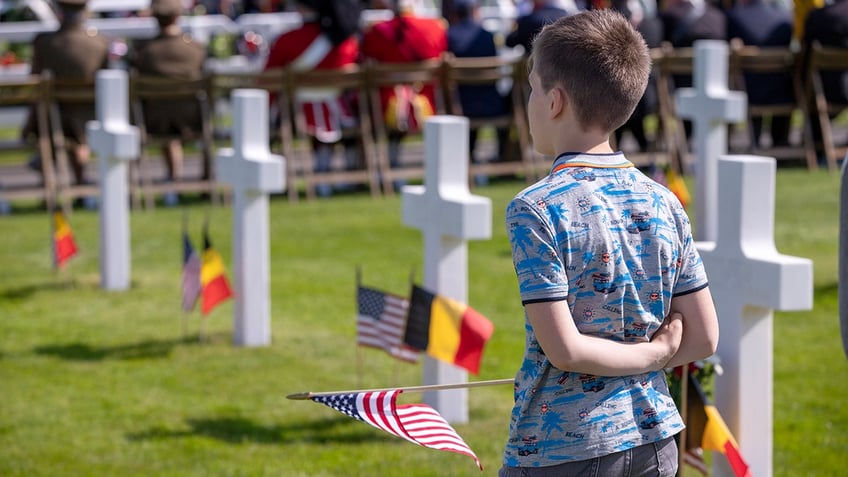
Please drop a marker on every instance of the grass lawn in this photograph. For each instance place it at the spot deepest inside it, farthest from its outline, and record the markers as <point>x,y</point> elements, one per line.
<point>97,383</point>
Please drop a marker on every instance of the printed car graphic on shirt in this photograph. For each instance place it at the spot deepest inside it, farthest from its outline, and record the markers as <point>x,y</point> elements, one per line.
<point>591,383</point>
<point>602,282</point>
<point>651,421</point>
<point>641,221</point>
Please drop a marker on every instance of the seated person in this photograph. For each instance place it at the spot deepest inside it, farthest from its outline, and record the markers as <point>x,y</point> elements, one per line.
<point>72,52</point>
<point>468,38</point>
<point>758,23</point>
<point>405,38</point>
<point>327,40</point>
<point>171,54</point>
<point>828,26</point>
<point>528,25</point>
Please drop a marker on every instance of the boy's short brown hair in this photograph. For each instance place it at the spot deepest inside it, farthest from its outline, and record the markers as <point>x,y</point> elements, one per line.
<point>601,62</point>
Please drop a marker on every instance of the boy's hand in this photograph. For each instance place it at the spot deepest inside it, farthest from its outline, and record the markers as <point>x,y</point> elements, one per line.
<point>668,337</point>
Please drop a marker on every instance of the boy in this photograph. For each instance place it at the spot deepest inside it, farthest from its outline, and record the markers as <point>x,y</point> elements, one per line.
<point>602,255</point>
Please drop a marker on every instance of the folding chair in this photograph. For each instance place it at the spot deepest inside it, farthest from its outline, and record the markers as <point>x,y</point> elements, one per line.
<point>68,97</point>
<point>148,92</point>
<point>322,82</point>
<point>670,62</point>
<point>827,60</point>
<point>16,180</point>
<point>387,75</point>
<point>751,60</point>
<point>494,71</point>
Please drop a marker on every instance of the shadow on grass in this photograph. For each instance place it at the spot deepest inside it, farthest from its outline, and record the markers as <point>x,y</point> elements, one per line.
<point>26,291</point>
<point>148,349</point>
<point>237,430</point>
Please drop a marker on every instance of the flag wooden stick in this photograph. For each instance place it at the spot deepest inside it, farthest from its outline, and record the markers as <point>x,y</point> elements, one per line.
<point>428,387</point>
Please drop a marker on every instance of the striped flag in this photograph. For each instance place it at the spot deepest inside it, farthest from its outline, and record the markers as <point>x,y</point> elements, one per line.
<point>64,246</point>
<point>417,423</point>
<point>707,431</point>
<point>446,329</point>
<point>191,274</point>
<point>381,322</point>
<point>213,277</point>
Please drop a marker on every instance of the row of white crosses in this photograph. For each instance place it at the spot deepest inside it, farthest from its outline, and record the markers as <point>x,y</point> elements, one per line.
<point>248,167</point>
<point>748,277</point>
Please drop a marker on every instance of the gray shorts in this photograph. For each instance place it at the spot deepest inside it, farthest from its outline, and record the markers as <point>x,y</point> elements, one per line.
<point>656,460</point>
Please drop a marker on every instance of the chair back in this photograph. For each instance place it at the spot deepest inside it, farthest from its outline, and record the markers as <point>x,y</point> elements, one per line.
<point>827,60</point>
<point>507,72</point>
<point>28,92</point>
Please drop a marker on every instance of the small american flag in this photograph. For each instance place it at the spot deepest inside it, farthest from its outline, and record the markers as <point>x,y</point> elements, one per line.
<point>191,275</point>
<point>381,323</point>
<point>417,423</point>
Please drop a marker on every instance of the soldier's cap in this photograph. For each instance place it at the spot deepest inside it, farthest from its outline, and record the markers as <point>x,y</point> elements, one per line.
<point>72,3</point>
<point>166,8</point>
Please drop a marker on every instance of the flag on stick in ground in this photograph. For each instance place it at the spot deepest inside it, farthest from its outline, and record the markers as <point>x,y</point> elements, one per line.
<point>191,274</point>
<point>381,323</point>
<point>446,329</point>
<point>677,186</point>
<point>417,423</point>
<point>64,246</point>
<point>213,277</point>
<point>707,430</point>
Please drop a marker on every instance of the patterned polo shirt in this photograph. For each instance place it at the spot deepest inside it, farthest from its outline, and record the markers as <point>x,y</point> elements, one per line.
<point>617,247</point>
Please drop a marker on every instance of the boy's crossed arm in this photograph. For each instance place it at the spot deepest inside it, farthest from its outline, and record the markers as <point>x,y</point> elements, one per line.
<point>689,333</point>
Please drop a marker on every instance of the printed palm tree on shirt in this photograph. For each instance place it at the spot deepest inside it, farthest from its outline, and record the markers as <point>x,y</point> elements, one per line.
<point>521,238</point>
<point>551,421</point>
<point>657,204</point>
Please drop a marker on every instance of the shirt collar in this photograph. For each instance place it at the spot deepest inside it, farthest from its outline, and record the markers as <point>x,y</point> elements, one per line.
<point>587,159</point>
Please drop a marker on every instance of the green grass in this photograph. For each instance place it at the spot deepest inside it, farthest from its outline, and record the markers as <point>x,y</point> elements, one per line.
<point>104,383</point>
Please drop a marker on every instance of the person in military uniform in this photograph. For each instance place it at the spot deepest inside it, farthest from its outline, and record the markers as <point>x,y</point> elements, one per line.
<point>72,52</point>
<point>173,54</point>
<point>328,39</point>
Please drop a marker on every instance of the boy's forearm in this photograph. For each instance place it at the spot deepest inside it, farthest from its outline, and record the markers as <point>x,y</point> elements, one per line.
<point>603,357</point>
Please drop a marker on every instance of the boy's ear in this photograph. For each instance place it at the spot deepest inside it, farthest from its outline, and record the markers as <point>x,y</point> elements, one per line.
<point>558,101</point>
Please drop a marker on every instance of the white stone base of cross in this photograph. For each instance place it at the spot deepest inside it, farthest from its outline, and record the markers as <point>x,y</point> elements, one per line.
<point>115,142</point>
<point>448,215</point>
<point>253,172</point>
<point>748,279</point>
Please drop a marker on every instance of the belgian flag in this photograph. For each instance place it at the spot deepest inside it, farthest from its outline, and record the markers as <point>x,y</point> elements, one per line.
<point>215,287</point>
<point>446,329</point>
<point>64,246</point>
<point>708,431</point>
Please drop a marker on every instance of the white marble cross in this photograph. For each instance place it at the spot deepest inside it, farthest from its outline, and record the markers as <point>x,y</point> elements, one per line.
<point>253,172</point>
<point>843,256</point>
<point>710,105</point>
<point>448,216</point>
<point>748,279</point>
<point>115,142</point>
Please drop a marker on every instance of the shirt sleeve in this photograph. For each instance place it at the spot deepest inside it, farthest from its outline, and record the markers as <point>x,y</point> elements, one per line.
<point>535,255</point>
<point>692,276</point>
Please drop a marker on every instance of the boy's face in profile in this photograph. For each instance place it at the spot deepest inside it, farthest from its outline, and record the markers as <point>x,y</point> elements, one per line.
<point>538,111</point>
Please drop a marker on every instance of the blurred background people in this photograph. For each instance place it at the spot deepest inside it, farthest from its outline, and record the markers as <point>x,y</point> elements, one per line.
<point>72,52</point>
<point>172,54</point>
<point>529,24</point>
